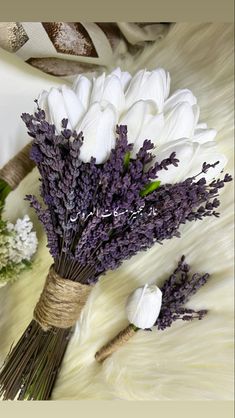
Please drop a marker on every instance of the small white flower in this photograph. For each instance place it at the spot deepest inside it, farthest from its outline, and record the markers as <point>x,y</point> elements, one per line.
<point>22,242</point>
<point>144,305</point>
<point>143,103</point>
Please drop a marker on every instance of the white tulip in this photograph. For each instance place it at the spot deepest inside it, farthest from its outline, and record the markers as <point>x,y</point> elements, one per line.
<point>181,119</point>
<point>191,156</point>
<point>143,103</point>
<point>108,90</point>
<point>149,85</point>
<point>180,122</point>
<point>124,77</point>
<point>99,133</point>
<point>144,305</point>
<point>209,153</point>
<point>83,87</point>
<point>185,152</point>
<point>143,122</point>
<point>62,103</point>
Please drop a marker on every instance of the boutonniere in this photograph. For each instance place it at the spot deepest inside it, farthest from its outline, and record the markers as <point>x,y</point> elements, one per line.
<point>150,307</point>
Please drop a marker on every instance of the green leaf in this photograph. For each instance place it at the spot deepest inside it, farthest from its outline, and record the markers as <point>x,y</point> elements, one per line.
<point>135,328</point>
<point>127,158</point>
<point>150,187</point>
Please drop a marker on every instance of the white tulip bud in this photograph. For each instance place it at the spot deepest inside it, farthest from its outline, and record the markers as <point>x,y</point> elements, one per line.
<point>143,306</point>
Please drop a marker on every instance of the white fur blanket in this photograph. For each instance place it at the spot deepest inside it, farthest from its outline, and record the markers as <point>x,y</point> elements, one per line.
<point>189,361</point>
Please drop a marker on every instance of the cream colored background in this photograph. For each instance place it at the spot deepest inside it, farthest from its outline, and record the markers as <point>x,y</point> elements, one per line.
<point>188,361</point>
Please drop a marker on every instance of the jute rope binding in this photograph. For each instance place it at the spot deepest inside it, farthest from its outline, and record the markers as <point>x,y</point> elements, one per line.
<point>17,168</point>
<point>115,343</point>
<point>61,302</point>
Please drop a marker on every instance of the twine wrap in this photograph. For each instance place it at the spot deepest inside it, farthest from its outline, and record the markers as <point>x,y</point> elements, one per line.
<point>17,168</point>
<point>115,343</point>
<point>61,302</point>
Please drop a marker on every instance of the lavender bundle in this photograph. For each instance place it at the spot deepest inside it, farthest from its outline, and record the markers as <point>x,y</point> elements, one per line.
<point>95,217</point>
<point>149,306</point>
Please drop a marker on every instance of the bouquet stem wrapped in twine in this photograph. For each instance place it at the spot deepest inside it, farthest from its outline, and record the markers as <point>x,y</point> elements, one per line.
<point>61,302</point>
<point>17,168</point>
<point>48,334</point>
<point>118,341</point>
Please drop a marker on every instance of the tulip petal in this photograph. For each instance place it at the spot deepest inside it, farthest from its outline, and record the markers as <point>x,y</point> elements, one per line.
<point>43,104</point>
<point>82,87</point>
<point>191,156</point>
<point>73,106</point>
<point>208,153</point>
<point>204,135</point>
<point>202,125</point>
<point>113,92</point>
<point>184,95</point>
<point>125,79</point>
<point>179,123</point>
<point>106,135</point>
<point>97,88</point>
<point>134,118</point>
<point>159,86</point>
<point>196,112</point>
<point>57,108</point>
<point>146,85</point>
<point>151,129</point>
<point>185,152</point>
<point>124,76</point>
<point>134,88</point>
<point>142,122</point>
<point>98,127</point>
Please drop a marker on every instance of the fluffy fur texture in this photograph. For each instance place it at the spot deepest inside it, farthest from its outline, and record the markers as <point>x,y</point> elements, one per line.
<point>189,361</point>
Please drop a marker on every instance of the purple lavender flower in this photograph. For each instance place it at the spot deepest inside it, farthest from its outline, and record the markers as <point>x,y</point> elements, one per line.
<point>176,292</point>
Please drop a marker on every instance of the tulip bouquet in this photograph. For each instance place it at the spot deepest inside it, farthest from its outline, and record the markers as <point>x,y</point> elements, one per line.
<point>107,194</point>
<point>149,306</point>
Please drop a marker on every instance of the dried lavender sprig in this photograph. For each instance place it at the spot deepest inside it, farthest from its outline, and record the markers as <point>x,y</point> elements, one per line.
<point>176,292</point>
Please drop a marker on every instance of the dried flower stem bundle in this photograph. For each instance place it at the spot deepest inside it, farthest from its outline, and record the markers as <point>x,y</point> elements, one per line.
<point>95,217</point>
<point>176,292</point>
